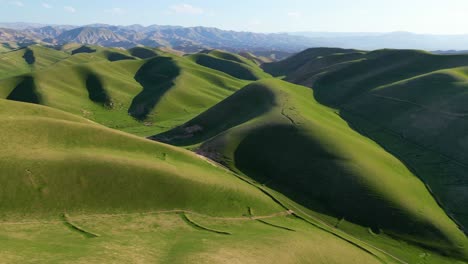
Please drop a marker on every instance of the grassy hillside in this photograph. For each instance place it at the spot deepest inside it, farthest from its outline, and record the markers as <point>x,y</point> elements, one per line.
<point>232,64</point>
<point>115,88</point>
<point>4,48</point>
<point>275,133</point>
<point>259,60</point>
<point>77,191</point>
<point>28,59</point>
<point>297,183</point>
<point>413,104</point>
<point>71,164</point>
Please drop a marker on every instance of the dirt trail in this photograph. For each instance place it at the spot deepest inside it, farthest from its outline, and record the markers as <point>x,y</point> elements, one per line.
<point>99,216</point>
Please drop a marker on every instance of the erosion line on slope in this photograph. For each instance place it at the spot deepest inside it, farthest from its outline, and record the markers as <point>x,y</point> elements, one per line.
<point>200,227</point>
<point>74,227</point>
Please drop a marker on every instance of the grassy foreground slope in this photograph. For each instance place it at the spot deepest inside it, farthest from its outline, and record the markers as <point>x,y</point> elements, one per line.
<point>413,104</point>
<point>72,164</point>
<point>275,133</point>
<point>74,191</point>
<point>141,96</point>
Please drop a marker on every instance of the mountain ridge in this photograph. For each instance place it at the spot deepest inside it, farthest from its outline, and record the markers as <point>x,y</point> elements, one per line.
<point>187,39</point>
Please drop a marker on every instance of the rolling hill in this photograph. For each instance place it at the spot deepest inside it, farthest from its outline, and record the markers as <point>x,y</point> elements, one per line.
<point>93,182</point>
<point>118,89</point>
<point>276,134</point>
<point>281,173</point>
<point>77,191</point>
<point>411,103</point>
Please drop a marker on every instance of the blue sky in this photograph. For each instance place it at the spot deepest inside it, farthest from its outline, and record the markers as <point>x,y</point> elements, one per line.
<point>420,16</point>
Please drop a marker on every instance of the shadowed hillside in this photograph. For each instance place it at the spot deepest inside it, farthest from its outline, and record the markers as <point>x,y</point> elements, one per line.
<point>305,151</point>
<point>410,102</point>
<point>157,77</point>
<point>25,91</point>
<point>230,64</point>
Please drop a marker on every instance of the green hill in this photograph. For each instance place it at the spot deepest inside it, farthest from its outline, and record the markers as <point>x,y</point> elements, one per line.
<point>26,60</point>
<point>232,64</point>
<point>77,191</point>
<point>412,104</point>
<point>376,176</point>
<point>311,62</point>
<point>275,133</point>
<point>4,48</point>
<point>72,164</point>
<point>259,60</point>
<point>135,100</point>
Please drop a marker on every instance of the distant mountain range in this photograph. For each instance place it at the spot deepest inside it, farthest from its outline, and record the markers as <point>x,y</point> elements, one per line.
<point>187,39</point>
<point>194,39</point>
<point>393,40</point>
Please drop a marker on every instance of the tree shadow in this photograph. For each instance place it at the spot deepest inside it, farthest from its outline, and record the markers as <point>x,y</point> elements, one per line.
<point>157,78</point>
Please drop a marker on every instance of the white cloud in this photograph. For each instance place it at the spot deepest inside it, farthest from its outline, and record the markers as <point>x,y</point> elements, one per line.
<point>186,9</point>
<point>115,11</point>
<point>294,14</point>
<point>17,3</point>
<point>70,9</point>
<point>46,5</point>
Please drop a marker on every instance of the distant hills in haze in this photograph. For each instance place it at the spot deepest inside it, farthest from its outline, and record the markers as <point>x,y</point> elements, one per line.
<point>195,39</point>
<point>187,39</point>
<point>392,40</point>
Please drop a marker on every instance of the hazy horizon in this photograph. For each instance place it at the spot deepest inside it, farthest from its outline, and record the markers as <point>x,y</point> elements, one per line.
<point>336,16</point>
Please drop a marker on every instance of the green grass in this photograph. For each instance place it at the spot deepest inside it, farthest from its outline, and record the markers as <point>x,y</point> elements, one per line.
<point>412,103</point>
<point>166,238</point>
<point>75,190</point>
<point>129,85</point>
<point>4,48</point>
<point>306,151</point>
<point>70,164</point>
<point>130,191</point>
<point>231,64</point>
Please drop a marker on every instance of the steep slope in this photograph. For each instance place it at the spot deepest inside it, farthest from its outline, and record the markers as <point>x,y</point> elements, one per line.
<point>325,165</point>
<point>413,104</point>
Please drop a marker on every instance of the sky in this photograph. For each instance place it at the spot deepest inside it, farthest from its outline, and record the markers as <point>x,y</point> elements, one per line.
<point>418,16</point>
